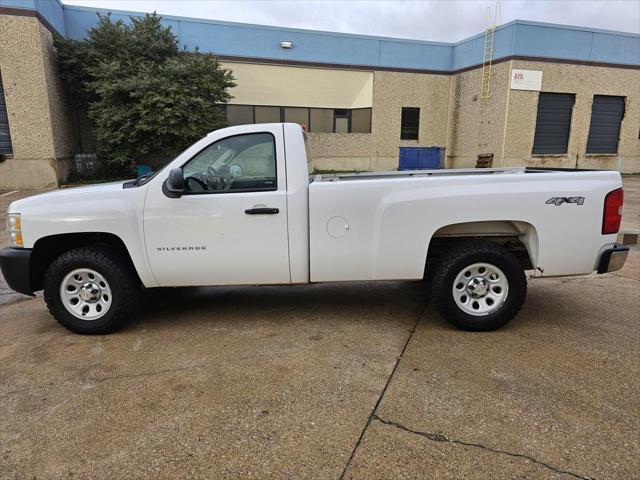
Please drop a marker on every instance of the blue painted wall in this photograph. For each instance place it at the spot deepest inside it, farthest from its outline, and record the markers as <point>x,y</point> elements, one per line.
<point>244,40</point>
<point>524,38</point>
<point>51,10</point>
<point>574,43</point>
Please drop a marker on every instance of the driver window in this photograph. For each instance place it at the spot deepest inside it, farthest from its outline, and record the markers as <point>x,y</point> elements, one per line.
<point>240,163</point>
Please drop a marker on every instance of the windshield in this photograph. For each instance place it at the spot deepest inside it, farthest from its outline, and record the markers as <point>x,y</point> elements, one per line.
<point>147,178</point>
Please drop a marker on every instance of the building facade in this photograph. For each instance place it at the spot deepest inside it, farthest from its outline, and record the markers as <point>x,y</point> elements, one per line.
<point>552,95</point>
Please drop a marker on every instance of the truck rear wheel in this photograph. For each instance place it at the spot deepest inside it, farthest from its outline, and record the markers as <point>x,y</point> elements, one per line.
<point>91,290</point>
<point>479,286</point>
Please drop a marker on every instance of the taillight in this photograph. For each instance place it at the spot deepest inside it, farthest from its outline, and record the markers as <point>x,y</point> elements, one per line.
<point>612,212</point>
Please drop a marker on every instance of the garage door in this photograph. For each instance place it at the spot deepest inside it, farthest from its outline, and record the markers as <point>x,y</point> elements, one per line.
<point>606,116</point>
<point>553,123</point>
<point>5,138</point>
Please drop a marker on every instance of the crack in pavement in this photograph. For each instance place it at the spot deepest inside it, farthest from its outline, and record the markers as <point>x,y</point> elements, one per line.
<point>624,276</point>
<point>88,380</point>
<point>438,437</point>
<point>373,415</point>
<point>95,380</point>
<point>144,374</point>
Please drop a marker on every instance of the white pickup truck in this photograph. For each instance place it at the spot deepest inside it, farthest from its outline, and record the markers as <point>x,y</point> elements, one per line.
<point>239,208</point>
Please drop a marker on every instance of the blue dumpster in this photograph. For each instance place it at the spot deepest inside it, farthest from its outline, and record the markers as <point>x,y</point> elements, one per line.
<point>421,158</point>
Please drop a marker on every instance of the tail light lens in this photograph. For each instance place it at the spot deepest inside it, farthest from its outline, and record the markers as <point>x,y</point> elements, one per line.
<point>612,212</point>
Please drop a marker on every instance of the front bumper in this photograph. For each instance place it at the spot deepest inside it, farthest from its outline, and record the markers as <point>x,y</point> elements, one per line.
<point>613,258</point>
<point>15,265</point>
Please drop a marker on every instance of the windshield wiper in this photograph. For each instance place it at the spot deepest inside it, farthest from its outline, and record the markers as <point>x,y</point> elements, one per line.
<point>141,180</point>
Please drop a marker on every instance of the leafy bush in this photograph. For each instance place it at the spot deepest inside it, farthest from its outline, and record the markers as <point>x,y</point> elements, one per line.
<point>144,94</point>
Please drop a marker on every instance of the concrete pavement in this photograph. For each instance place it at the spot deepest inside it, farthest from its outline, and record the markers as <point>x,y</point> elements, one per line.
<point>352,380</point>
<point>358,381</point>
<point>631,207</point>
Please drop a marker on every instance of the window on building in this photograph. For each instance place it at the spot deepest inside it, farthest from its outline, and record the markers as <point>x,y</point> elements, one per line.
<point>361,120</point>
<point>5,134</point>
<point>326,120</point>
<point>321,120</point>
<point>410,123</point>
<point>342,121</point>
<point>606,116</point>
<point>297,115</point>
<point>239,114</point>
<point>267,114</point>
<point>553,123</point>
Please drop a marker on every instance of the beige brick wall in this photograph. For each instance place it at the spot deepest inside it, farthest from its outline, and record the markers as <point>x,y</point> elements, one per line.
<point>453,115</point>
<point>61,111</point>
<point>477,125</point>
<point>584,82</point>
<point>41,132</point>
<point>379,149</point>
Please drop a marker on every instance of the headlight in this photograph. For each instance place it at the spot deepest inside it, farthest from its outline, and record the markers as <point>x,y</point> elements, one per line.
<point>14,227</point>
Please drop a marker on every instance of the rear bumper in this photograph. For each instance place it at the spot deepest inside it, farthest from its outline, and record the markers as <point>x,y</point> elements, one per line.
<point>613,258</point>
<point>15,266</point>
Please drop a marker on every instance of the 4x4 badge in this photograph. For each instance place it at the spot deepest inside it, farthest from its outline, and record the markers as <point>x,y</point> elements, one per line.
<point>557,201</point>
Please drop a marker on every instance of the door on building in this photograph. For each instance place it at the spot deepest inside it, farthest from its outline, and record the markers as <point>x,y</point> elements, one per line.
<point>553,123</point>
<point>606,117</point>
<point>5,134</point>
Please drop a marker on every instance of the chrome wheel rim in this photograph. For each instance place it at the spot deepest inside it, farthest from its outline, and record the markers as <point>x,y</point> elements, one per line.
<point>85,294</point>
<point>480,289</point>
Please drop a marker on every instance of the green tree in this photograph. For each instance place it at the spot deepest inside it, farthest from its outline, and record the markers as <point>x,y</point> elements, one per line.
<point>144,94</point>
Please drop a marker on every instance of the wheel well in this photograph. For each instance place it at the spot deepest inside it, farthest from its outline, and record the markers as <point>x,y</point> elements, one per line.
<point>520,238</point>
<point>47,249</point>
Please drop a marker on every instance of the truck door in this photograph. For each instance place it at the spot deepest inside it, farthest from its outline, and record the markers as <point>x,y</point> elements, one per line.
<point>230,225</point>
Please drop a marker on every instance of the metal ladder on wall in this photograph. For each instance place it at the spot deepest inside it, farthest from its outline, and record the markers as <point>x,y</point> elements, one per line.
<point>487,51</point>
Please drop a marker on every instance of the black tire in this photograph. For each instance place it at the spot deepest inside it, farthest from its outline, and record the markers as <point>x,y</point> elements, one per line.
<point>122,280</point>
<point>463,255</point>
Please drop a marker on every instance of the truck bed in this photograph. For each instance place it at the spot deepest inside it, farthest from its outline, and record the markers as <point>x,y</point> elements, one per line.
<point>450,172</point>
<point>377,226</point>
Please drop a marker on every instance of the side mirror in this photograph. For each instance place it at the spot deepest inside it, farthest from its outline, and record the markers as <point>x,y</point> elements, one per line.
<point>173,186</point>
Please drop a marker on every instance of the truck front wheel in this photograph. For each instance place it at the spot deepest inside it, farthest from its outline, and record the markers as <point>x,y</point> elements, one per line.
<point>479,286</point>
<point>91,290</point>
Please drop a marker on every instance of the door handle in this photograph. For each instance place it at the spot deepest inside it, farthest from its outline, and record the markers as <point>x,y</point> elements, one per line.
<point>262,211</point>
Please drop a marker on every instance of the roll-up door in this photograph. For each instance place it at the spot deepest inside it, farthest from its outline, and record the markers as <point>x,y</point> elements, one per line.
<point>606,116</point>
<point>553,123</point>
<point>5,135</point>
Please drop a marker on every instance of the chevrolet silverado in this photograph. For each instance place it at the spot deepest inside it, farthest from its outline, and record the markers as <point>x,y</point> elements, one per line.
<point>239,207</point>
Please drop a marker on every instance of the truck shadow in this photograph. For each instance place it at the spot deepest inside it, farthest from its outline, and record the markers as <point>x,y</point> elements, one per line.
<point>347,299</point>
<point>546,305</point>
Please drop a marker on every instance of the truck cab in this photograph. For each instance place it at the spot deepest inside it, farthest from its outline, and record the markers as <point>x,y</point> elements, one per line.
<point>238,210</point>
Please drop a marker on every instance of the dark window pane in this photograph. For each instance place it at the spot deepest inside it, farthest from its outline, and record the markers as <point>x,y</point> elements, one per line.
<point>321,120</point>
<point>5,134</point>
<point>239,114</point>
<point>297,115</point>
<point>553,123</point>
<point>267,114</point>
<point>361,120</point>
<point>606,117</point>
<point>410,123</point>
<point>341,121</point>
